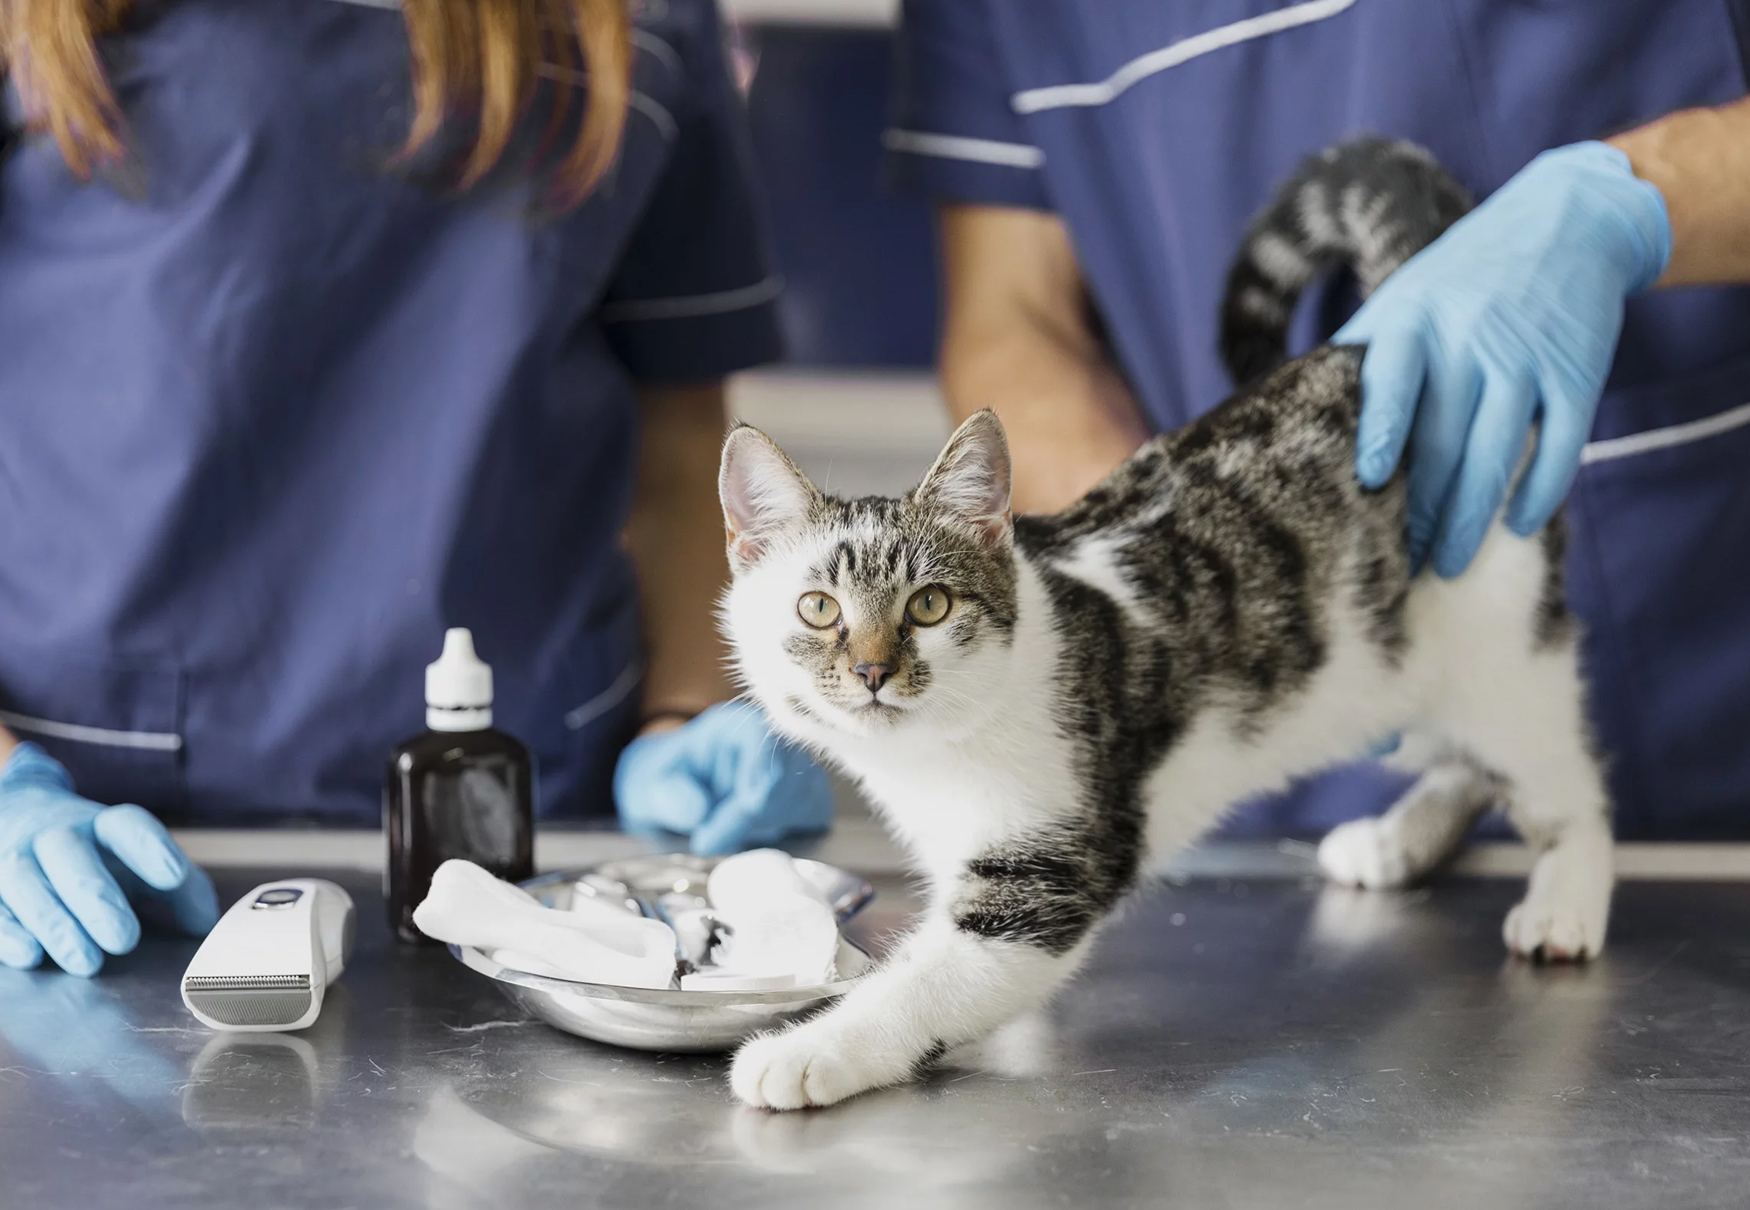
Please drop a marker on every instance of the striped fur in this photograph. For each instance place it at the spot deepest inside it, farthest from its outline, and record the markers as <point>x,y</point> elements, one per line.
<point>1369,204</point>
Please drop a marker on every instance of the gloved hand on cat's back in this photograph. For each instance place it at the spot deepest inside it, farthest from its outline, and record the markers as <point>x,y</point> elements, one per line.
<point>72,872</point>
<point>1510,317</point>
<point>724,780</point>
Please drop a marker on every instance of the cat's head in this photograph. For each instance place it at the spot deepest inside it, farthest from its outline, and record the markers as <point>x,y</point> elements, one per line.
<point>866,616</point>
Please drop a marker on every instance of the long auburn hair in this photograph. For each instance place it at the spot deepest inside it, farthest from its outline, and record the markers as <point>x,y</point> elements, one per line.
<point>479,58</point>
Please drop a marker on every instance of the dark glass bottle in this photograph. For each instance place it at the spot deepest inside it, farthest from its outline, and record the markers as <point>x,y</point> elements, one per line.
<point>461,789</point>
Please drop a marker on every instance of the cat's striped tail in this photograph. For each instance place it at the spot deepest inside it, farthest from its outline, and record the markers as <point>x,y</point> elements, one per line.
<point>1370,204</point>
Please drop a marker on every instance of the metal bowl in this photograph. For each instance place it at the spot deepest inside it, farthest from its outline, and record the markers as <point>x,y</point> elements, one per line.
<point>670,1020</point>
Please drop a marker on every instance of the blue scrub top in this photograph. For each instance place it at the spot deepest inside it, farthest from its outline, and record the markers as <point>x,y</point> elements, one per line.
<point>275,412</point>
<point>1156,130</point>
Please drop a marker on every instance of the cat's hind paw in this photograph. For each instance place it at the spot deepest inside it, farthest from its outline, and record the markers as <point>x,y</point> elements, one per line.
<point>807,1067</point>
<point>1567,902</point>
<point>1365,853</point>
<point>1553,931</point>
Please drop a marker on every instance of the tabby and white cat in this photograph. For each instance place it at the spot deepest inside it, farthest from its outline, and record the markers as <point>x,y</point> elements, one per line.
<point>1039,706</point>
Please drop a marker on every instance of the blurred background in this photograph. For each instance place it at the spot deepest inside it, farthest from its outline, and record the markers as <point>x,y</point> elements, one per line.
<point>854,402</point>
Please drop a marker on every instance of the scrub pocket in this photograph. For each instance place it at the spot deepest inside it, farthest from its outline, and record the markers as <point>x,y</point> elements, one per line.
<point>582,714</point>
<point>602,721</point>
<point>117,729</point>
<point>1660,572</point>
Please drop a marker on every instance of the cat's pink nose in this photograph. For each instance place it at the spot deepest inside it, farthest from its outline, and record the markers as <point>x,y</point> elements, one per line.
<point>874,675</point>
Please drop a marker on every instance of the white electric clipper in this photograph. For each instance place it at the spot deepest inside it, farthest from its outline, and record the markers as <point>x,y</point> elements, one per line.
<point>268,961</point>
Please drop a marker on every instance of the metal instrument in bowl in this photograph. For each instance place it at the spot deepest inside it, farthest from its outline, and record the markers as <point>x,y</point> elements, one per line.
<point>669,1020</point>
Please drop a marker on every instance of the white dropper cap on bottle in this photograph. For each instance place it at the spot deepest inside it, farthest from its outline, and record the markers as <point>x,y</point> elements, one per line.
<point>458,688</point>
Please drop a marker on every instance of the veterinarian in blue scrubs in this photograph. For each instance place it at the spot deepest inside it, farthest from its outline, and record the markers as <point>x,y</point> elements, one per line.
<point>277,407</point>
<point>1096,163</point>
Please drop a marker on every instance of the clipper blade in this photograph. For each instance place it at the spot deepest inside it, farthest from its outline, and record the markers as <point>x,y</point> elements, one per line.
<point>249,999</point>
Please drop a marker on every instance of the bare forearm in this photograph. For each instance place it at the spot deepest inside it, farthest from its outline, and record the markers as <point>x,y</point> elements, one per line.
<point>1017,339</point>
<point>675,536</point>
<point>1700,160</point>
<point>7,743</point>
<point>1070,420</point>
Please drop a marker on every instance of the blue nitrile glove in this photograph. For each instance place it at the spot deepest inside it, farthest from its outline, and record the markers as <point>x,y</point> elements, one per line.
<point>725,780</point>
<point>1511,316</point>
<point>64,864</point>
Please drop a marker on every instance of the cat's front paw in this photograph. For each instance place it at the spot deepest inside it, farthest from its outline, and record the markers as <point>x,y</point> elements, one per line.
<point>1365,853</point>
<point>810,1066</point>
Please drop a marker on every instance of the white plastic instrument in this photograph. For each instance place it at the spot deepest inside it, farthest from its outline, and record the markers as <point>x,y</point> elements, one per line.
<point>267,963</point>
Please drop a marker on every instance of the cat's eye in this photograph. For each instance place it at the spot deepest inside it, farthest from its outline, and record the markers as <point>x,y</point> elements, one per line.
<point>817,609</point>
<point>928,605</point>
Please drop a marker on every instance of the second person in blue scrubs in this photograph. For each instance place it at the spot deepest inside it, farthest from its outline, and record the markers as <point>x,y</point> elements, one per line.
<point>1097,161</point>
<point>324,327</point>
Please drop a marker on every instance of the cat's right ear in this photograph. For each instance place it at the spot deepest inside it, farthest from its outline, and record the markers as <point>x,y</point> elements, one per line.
<point>762,491</point>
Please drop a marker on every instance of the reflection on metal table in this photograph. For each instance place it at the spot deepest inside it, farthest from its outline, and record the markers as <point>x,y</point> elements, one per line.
<point>1232,1043</point>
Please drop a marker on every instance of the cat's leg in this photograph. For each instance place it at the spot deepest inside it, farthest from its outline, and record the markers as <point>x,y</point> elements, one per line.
<point>1419,831</point>
<point>1566,908</point>
<point>995,948</point>
<point>1565,817</point>
<point>1530,727</point>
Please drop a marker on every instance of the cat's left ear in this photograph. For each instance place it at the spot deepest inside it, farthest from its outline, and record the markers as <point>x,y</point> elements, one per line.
<point>971,478</point>
<point>762,492</point>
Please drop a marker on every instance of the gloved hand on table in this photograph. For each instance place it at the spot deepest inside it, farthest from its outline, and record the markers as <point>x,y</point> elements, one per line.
<point>68,868</point>
<point>1511,316</point>
<point>725,780</point>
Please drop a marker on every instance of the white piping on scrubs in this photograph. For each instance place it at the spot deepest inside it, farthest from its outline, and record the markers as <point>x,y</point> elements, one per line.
<point>1664,438</point>
<point>156,741</point>
<point>659,50</point>
<point>958,147</point>
<point>606,700</point>
<point>657,112</point>
<point>1063,96</point>
<point>639,102</point>
<point>689,305</point>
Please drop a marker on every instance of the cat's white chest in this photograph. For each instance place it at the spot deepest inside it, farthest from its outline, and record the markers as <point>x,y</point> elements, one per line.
<point>947,805</point>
